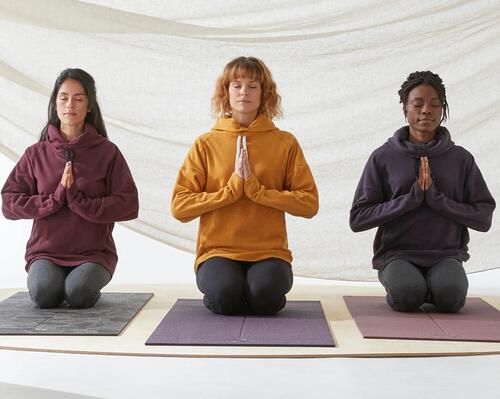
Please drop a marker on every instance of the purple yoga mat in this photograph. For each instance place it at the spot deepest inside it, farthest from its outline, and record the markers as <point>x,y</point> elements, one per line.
<point>189,322</point>
<point>477,321</point>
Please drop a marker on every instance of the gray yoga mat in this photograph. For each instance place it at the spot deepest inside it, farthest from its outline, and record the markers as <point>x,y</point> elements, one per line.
<point>189,322</point>
<point>477,321</point>
<point>109,316</point>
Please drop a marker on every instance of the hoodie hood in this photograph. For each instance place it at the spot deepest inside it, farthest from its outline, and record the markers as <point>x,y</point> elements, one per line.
<point>89,138</point>
<point>442,143</point>
<point>261,124</point>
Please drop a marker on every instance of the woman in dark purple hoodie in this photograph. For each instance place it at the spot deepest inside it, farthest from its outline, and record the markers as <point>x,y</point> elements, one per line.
<point>74,183</point>
<point>423,192</point>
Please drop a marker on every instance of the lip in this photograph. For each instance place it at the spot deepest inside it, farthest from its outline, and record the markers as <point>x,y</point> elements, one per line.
<point>244,101</point>
<point>70,113</point>
<point>426,120</point>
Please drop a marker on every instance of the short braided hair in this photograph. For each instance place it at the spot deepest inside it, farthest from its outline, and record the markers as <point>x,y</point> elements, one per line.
<point>424,78</point>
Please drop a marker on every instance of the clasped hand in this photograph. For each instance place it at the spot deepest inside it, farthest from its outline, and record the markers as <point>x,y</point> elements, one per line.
<point>67,179</point>
<point>424,174</point>
<point>241,164</point>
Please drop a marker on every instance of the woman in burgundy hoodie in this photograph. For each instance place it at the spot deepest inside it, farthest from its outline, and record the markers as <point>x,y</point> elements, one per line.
<point>74,183</point>
<point>423,192</point>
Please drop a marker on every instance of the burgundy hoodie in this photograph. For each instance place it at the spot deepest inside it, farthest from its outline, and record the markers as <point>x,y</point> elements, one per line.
<point>421,227</point>
<point>71,226</point>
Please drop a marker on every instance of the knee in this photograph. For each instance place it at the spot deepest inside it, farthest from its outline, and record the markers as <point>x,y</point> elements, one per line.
<point>265,298</point>
<point>225,300</point>
<point>81,296</point>
<point>44,295</point>
<point>449,298</point>
<point>406,297</point>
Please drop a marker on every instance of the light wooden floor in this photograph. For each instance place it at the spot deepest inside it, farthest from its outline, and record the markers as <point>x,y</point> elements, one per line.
<point>347,337</point>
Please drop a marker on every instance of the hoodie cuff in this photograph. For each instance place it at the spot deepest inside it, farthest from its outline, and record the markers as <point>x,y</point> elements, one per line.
<point>60,194</point>
<point>252,186</point>
<point>235,184</point>
<point>417,193</point>
<point>431,196</point>
<point>71,193</point>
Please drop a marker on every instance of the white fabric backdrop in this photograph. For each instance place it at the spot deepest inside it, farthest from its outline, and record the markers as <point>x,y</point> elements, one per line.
<point>338,66</point>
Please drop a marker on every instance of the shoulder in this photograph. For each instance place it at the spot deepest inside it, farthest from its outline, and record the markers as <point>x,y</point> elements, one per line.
<point>463,153</point>
<point>380,152</point>
<point>33,151</point>
<point>203,140</point>
<point>108,145</point>
<point>285,138</point>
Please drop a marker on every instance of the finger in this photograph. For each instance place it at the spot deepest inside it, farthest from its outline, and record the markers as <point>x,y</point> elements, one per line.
<point>237,156</point>
<point>238,145</point>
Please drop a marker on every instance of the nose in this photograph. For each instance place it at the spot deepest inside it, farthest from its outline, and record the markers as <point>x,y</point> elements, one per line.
<point>426,109</point>
<point>243,91</point>
<point>70,103</point>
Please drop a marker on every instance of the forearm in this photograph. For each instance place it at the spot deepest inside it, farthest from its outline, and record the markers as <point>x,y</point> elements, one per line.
<point>23,206</point>
<point>188,205</point>
<point>119,206</point>
<point>297,202</point>
<point>366,213</point>
<point>477,215</point>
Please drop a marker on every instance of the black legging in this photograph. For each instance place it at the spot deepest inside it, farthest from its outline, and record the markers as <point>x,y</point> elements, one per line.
<point>50,284</point>
<point>236,287</point>
<point>409,286</point>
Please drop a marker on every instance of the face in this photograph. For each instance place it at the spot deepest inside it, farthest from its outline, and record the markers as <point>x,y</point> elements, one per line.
<point>72,103</point>
<point>424,110</point>
<point>244,96</point>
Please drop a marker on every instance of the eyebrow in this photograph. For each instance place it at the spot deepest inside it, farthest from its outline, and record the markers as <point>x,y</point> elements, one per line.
<point>421,98</point>
<point>239,81</point>
<point>67,94</point>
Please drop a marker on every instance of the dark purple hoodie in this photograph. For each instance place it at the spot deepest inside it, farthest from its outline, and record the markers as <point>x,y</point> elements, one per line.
<point>421,227</point>
<point>71,226</point>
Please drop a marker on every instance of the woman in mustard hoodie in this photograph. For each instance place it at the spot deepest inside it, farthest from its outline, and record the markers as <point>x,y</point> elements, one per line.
<point>240,179</point>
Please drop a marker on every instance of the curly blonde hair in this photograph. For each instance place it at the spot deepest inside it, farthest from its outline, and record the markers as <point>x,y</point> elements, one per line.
<point>270,103</point>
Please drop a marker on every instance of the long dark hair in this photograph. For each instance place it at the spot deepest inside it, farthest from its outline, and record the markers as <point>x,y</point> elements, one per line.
<point>93,117</point>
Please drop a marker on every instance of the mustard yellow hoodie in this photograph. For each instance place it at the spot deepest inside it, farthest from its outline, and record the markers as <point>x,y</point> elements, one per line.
<point>244,219</point>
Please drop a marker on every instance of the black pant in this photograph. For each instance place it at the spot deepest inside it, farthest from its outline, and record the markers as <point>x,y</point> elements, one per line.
<point>236,287</point>
<point>409,286</point>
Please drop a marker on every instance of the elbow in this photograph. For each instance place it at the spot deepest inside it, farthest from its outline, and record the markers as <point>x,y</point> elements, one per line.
<point>135,209</point>
<point>355,227</point>
<point>175,213</point>
<point>484,227</point>
<point>312,207</point>
<point>178,214</point>
<point>306,212</point>
<point>313,211</point>
<point>355,224</point>
<point>9,215</point>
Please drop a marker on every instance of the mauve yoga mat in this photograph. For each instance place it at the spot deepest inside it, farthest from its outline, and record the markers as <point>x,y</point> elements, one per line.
<point>109,316</point>
<point>189,322</point>
<point>477,321</point>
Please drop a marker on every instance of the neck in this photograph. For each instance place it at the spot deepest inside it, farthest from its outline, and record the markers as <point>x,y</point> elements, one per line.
<point>71,132</point>
<point>244,120</point>
<point>417,136</point>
